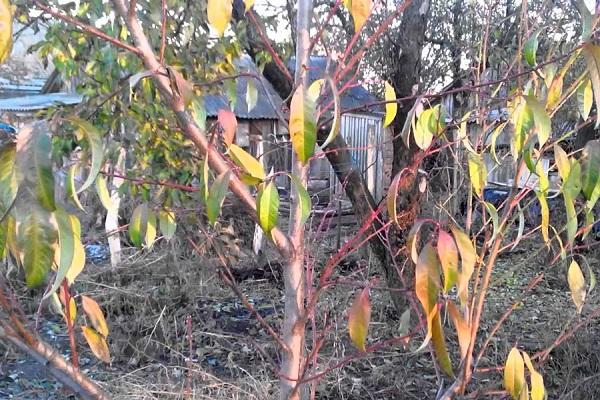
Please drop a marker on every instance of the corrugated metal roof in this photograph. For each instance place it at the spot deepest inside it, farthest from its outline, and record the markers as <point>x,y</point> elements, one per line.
<point>266,105</point>
<point>39,102</point>
<point>354,97</point>
<point>33,85</point>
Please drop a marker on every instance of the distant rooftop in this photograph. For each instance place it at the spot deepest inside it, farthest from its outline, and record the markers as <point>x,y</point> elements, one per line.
<point>354,97</point>
<point>39,102</point>
<point>268,101</point>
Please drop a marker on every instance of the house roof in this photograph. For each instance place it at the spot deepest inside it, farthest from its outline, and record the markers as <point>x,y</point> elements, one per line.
<point>354,97</point>
<point>30,86</point>
<point>268,101</point>
<point>39,102</point>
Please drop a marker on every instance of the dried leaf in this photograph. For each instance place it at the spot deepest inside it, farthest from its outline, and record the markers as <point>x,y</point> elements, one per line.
<point>359,317</point>
<point>97,344</point>
<point>514,374</point>
<point>576,285</point>
<point>94,313</point>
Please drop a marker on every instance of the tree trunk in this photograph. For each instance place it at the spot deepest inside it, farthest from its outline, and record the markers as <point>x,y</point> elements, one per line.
<point>293,362</point>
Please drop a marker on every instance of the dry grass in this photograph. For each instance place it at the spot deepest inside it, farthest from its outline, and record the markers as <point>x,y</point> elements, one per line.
<point>148,299</point>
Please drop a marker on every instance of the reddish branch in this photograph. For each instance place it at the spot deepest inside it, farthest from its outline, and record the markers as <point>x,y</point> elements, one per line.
<point>87,28</point>
<point>67,299</point>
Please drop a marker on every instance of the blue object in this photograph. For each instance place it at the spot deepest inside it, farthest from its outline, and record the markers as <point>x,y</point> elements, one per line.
<point>7,128</point>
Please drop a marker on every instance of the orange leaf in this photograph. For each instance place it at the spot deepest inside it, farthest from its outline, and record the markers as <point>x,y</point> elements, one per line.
<point>463,329</point>
<point>449,259</point>
<point>359,317</point>
<point>229,123</point>
<point>97,343</point>
<point>439,345</point>
<point>468,257</point>
<point>93,311</point>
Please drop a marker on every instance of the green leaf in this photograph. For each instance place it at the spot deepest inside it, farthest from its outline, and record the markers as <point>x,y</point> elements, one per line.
<point>514,374</point>
<point>542,122</point>
<point>439,345</point>
<point>359,317</point>
<point>8,176</point>
<point>267,207</point>
<point>94,140</point>
<point>571,217</point>
<point>219,14</point>
<point>254,172</point>
<point>494,215</point>
<point>585,98</point>
<point>103,193</point>
<point>69,231</point>
<point>142,227</point>
<point>3,239</point>
<point>199,112</point>
<point>216,196</point>
<point>303,125</point>
<point>591,53</point>
<point>468,259</point>
<point>6,20</point>
<point>590,172</point>
<point>37,238</point>
<point>586,19</point>
<point>530,49</point>
<point>572,185</point>
<point>304,200</point>
<point>34,163</point>
<point>70,187</point>
<point>522,120</point>
<point>448,254</point>
<point>576,285</point>
<point>390,108</point>
<point>167,223</point>
<point>477,173</point>
<point>337,116</point>
<point>251,94</point>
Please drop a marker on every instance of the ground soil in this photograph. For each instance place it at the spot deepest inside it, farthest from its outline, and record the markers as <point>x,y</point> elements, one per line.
<point>222,353</point>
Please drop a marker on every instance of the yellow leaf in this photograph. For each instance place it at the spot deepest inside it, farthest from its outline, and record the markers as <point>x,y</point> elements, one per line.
<point>514,374</point>
<point>359,317</point>
<point>314,90</point>
<point>303,125</point>
<point>72,310</point>
<point>5,30</point>
<point>538,391</point>
<point>249,4</point>
<point>390,108</point>
<point>463,329</point>
<point>576,285</point>
<point>219,14</point>
<point>77,263</point>
<point>253,169</point>
<point>94,313</point>
<point>554,92</point>
<point>477,173</point>
<point>427,278</point>
<point>360,11</point>
<point>97,343</point>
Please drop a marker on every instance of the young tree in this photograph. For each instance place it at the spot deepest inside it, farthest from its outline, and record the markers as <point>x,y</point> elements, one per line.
<point>144,67</point>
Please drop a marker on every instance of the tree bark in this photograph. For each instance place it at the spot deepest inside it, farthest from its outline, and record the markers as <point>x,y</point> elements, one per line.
<point>293,276</point>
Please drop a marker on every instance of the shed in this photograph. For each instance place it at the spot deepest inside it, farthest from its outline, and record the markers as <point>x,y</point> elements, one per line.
<point>362,128</point>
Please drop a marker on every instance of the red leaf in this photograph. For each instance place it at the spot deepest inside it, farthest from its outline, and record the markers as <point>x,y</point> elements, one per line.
<point>229,123</point>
